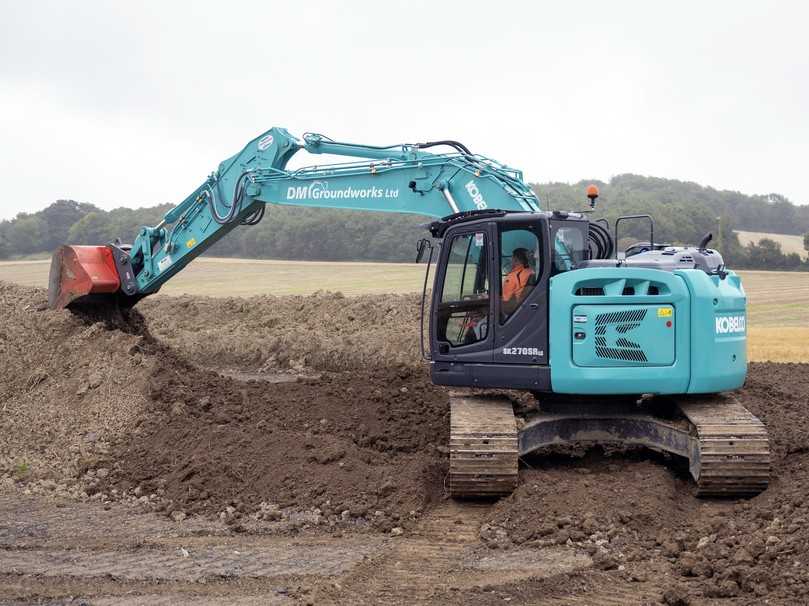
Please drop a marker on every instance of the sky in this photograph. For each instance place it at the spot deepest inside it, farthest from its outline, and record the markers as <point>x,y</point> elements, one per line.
<point>135,103</point>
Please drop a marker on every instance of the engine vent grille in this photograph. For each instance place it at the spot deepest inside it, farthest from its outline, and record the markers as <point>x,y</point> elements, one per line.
<point>630,290</point>
<point>616,353</point>
<point>625,322</point>
<point>629,315</point>
<point>586,291</point>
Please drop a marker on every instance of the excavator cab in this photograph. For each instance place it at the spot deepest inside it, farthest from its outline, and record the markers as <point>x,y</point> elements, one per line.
<point>481,334</point>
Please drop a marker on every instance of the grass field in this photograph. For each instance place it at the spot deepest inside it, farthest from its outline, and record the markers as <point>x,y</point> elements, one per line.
<point>778,302</point>
<point>244,277</point>
<point>789,244</point>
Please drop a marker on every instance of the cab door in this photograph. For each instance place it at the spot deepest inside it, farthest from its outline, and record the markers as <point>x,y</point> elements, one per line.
<point>521,287</point>
<point>461,313</point>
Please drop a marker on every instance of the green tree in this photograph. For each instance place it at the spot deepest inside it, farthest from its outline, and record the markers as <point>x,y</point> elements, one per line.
<point>26,236</point>
<point>92,228</point>
<point>57,220</point>
<point>766,254</point>
<point>806,241</point>
<point>5,246</point>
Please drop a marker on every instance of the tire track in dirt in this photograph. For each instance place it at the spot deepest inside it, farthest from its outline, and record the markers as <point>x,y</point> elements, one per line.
<point>441,559</point>
<point>611,593</point>
<point>61,548</point>
<point>416,565</point>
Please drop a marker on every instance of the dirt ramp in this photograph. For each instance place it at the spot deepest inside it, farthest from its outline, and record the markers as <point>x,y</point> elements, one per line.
<point>359,442</point>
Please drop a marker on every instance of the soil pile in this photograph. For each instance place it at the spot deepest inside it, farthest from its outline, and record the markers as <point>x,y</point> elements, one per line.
<point>135,403</point>
<point>325,331</point>
<point>69,384</point>
<point>638,512</point>
<point>359,442</point>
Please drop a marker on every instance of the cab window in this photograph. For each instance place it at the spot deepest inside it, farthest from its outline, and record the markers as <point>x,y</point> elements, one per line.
<point>464,306</point>
<point>569,247</point>
<point>519,268</point>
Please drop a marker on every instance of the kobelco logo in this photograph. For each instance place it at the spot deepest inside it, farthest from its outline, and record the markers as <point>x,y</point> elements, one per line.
<point>265,142</point>
<point>477,197</point>
<point>730,324</point>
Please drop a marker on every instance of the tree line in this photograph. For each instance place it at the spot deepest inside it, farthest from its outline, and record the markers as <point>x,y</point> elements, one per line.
<point>683,212</point>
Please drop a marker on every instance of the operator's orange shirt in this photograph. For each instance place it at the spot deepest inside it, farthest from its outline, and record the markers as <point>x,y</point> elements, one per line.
<point>515,282</point>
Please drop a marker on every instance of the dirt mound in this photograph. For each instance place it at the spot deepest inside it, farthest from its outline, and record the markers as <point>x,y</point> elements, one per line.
<point>638,512</point>
<point>69,384</point>
<point>73,383</point>
<point>361,441</point>
<point>325,331</point>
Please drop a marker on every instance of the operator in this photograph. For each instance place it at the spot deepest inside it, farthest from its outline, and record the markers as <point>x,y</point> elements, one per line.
<point>517,283</point>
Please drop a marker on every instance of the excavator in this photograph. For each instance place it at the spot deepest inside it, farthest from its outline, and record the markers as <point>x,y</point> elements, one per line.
<point>637,348</point>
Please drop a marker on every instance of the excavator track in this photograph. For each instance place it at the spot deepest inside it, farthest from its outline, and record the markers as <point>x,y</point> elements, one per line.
<point>483,450</point>
<point>726,445</point>
<point>732,457</point>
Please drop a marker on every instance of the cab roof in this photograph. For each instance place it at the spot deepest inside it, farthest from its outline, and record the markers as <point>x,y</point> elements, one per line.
<point>439,227</point>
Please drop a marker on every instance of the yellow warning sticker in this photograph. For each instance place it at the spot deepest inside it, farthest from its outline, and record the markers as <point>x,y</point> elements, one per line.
<point>664,312</point>
<point>191,243</point>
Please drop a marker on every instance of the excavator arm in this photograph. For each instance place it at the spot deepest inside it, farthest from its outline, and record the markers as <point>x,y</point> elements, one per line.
<point>401,178</point>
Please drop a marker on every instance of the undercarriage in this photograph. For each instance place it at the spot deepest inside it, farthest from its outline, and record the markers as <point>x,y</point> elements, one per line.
<point>726,446</point>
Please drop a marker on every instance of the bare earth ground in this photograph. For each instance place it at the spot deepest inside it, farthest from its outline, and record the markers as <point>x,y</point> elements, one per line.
<point>291,450</point>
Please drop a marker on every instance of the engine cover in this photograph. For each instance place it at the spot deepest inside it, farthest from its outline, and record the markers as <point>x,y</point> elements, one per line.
<point>633,330</point>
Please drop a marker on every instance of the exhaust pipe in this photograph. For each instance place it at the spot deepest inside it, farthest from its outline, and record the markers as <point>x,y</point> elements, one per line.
<point>704,242</point>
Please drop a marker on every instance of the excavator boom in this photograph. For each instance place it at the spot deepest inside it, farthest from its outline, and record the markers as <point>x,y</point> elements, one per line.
<point>400,178</point>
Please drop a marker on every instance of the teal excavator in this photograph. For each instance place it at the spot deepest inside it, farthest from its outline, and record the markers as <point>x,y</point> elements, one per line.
<point>639,348</point>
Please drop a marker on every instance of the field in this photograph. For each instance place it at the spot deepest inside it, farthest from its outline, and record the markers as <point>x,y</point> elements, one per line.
<point>778,301</point>
<point>778,315</point>
<point>215,277</point>
<point>789,243</point>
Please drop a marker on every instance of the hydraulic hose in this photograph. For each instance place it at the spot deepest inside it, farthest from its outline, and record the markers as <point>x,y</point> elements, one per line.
<point>601,242</point>
<point>256,217</point>
<point>233,207</point>
<point>460,147</point>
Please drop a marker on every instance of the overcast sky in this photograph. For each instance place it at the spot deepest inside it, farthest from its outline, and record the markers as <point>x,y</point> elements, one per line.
<point>134,103</point>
